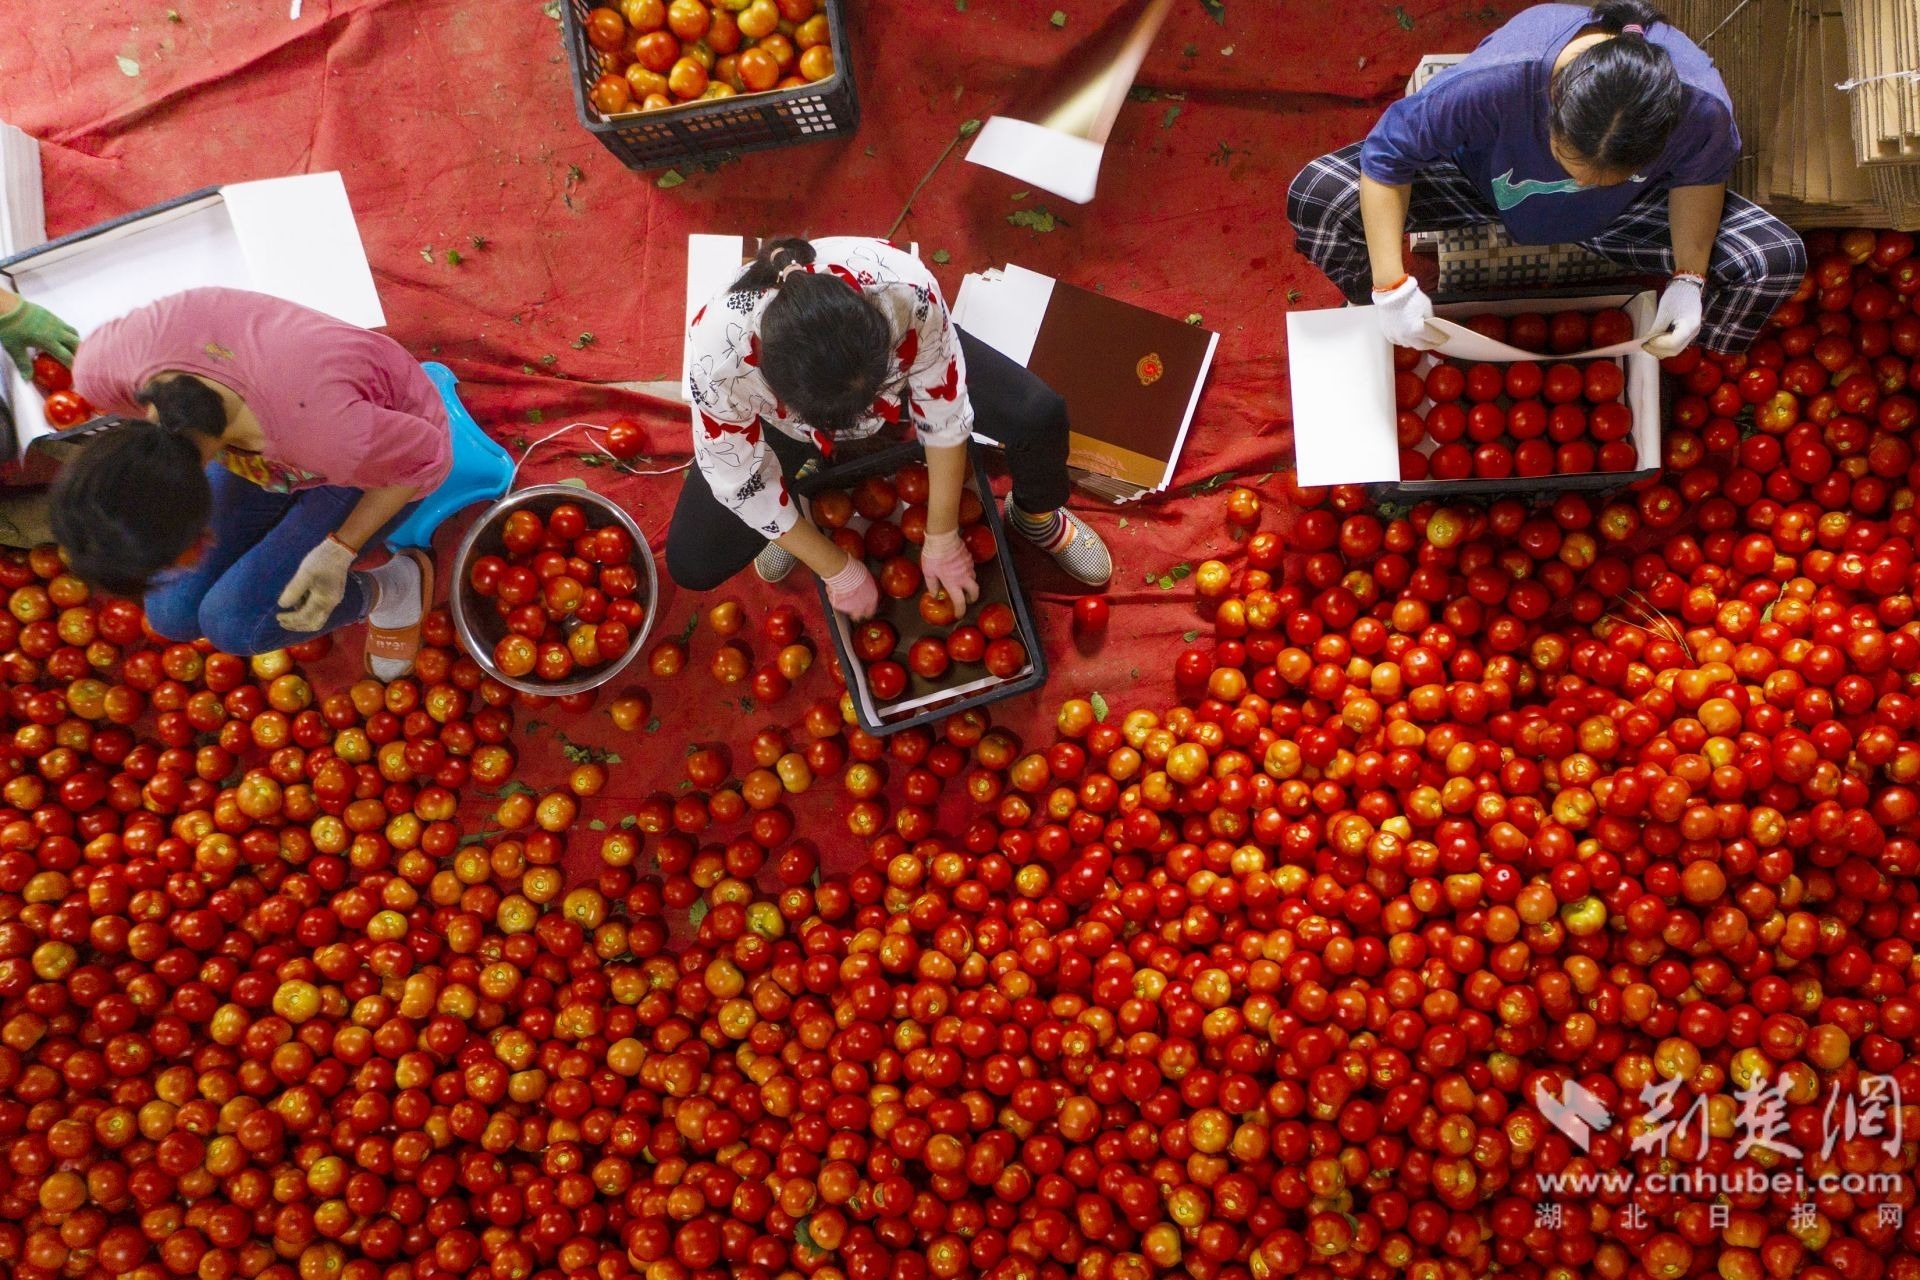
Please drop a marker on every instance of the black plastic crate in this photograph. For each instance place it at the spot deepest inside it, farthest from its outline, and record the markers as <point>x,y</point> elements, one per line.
<point>708,131</point>
<point>885,460</point>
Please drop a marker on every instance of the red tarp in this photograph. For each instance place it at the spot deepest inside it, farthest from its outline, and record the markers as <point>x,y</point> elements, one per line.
<point>453,123</point>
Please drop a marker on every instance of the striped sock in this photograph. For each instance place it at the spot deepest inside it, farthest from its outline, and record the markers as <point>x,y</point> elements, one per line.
<point>1050,532</point>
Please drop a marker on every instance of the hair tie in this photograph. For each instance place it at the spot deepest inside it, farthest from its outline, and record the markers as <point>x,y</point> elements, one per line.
<point>1633,29</point>
<point>788,270</point>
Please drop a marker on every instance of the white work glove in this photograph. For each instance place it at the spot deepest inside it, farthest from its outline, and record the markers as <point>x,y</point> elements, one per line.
<point>1403,312</point>
<point>1677,322</point>
<point>318,586</point>
<point>946,566</point>
<point>853,591</point>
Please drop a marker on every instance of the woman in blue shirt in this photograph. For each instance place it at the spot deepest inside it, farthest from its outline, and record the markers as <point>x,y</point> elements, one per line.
<point>1603,127</point>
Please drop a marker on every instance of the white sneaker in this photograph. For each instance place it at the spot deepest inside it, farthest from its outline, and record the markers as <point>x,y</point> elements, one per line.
<point>774,562</point>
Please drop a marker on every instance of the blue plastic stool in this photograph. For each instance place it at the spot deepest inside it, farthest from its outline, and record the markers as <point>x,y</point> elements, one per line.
<point>481,472</point>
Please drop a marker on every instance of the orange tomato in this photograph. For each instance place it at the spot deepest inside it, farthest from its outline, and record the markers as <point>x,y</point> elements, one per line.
<point>657,51</point>
<point>797,10</point>
<point>645,15</point>
<point>758,71</point>
<point>643,82</point>
<point>812,32</point>
<point>687,80</point>
<point>655,102</point>
<point>816,63</point>
<point>611,95</point>
<point>782,50</point>
<point>606,30</point>
<point>688,19</point>
<point>724,35</point>
<point>759,19</point>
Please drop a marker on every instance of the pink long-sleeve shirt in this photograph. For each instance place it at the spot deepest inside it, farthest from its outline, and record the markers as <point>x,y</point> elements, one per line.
<point>338,404</point>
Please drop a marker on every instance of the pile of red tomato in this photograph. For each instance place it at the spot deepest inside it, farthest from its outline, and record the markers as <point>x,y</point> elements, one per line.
<point>947,649</point>
<point>1518,420</point>
<point>661,53</point>
<point>569,594</point>
<point>1264,975</point>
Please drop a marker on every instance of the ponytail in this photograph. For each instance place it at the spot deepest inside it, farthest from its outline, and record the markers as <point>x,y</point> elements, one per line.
<point>774,257</point>
<point>1617,103</point>
<point>184,404</point>
<point>133,502</point>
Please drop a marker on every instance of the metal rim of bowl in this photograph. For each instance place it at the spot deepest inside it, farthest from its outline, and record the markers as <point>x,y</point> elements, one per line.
<point>465,626</point>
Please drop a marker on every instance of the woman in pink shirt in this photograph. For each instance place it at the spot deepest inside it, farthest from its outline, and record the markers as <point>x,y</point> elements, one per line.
<point>262,446</point>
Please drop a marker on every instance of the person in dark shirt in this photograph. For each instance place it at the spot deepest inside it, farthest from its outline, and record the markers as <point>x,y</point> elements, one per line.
<point>1604,127</point>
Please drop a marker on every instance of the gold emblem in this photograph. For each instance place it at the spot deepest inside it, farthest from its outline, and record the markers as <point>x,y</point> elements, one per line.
<point>1149,369</point>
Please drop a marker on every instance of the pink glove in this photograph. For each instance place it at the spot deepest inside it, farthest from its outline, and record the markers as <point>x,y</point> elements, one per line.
<point>853,591</point>
<point>947,567</point>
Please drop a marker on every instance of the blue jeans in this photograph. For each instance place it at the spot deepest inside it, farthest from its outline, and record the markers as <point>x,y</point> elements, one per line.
<point>232,596</point>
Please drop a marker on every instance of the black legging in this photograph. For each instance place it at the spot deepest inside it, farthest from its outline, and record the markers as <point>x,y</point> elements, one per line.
<point>707,543</point>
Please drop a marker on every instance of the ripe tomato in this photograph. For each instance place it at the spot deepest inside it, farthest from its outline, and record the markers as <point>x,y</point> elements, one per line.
<point>49,375</point>
<point>997,620</point>
<point>606,30</point>
<point>758,71</point>
<point>886,680</point>
<point>67,409</point>
<point>1527,331</point>
<point>874,640</point>
<point>1527,420</point>
<point>1090,614</point>
<point>1564,384</point>
<point>1568,332</point>
<point>1445,383</point>
<point>522,532</point>
<point>928,658</point>
<point>687,79</point>
<point>1006,657</point>
<point>1450,462</point>
<point>1523,380</point>
<point>1492,462</point>
<point>899,578</point>
<point>1604,382</point>
<point>625,439</point>
<point>966,644</point>
<point>688,19</point>
<point>1446,423</point>
<point>1485,382</point>
<point>657,51</point>
<point>1609,327</point>
<point>611,95</point>
<point>1486,423</point>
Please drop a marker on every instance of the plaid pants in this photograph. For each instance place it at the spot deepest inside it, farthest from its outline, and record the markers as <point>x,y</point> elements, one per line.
<point>1757,260</point>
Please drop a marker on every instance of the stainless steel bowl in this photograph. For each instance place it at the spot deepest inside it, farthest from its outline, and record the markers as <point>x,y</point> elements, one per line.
<point>479,624</point>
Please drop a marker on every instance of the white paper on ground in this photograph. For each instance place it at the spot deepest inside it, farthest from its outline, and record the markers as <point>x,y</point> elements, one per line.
<point>302,244</point>
<point>1053,161</point>
<point>1343,412</point>
<point>1004,309</point>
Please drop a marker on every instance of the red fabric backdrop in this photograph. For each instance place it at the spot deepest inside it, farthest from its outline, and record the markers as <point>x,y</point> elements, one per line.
<point>453,120</point>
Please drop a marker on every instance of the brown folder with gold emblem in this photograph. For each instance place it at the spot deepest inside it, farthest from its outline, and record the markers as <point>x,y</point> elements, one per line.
<point>1131,377</point>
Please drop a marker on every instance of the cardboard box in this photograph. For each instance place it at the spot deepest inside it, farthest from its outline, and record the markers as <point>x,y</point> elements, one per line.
<point>294,238</point>
<point>1343,404</point>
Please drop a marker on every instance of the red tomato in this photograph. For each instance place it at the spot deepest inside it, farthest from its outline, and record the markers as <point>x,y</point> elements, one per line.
<point>874,640</point>
<point>1564,384</point>
<point>1574,459</point>
<point>886,680</point>
<point>1090,614</point>
<point>1485,382</point>
<point>1486,422</point>
<point>688,19</point>
<point>625,439</point>
<point>928,658</point>
<point>657,51</point>
<point>611,95</point>
<point>1523,380</point>
<point>1446,423</point>
<point>1527,420</point>
<point>1610,422</point>
<point>1605,382</point>
<point>1450,462</point>
<point>1567,332</point>
<point>1527,331</point>
<point>875,497</point>
<point>966,644</point>
<point>899,577</point>
<point>997,620</point>
<point>1533,458</point>
<point>1567,422</point>
<point>567,521</point>
<point>67,409</point>
<point>1006,657</point>
<point>1492,462</point>
<point>1611,326</point>
<point>1445,383</point>
<point>1618,455</point>
<point>522,532</point>
<point>1408,389</point>
<point>1494,327</point>
<point>50,375</point>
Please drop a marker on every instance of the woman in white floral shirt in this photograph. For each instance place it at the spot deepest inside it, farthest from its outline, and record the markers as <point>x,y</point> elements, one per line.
<point>830,340</point>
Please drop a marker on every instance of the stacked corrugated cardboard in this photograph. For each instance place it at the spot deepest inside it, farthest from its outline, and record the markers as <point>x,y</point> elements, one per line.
<point>1828,104</point>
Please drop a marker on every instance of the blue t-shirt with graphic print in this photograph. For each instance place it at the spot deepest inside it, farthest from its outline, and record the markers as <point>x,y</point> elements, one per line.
<point>1488,114</point>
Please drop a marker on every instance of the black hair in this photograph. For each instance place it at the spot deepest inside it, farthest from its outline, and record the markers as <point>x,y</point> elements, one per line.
<point>183,403</point>
<point>131,504</point>
<point>1616,104</point>
<point>823,347</point>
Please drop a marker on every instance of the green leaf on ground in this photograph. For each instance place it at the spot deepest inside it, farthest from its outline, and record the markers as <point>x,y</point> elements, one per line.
<point>1173,113</point>
<point>582,342</point>
<point>969,127</point>
<point>512,787</point>
<point>593,459</point>
<point>573,482</point>
<point>552,9</point>
<point>1099,708</point>
<point>669,180</point>
<point>1294,295</point>
<point>479,242</point>
<point>1216,9</point>
<point>596,825</point>
<point>1181,571</point>
<point>1404,18</point>
<point>581,753</point>
<point>653,724</point>
<point>1059,18</point>
<point>536,417</point>
<point>942,257</point>
<point>1194,317</point>
<point>1165,582</point>
<point>686,633</point>
<point>697,912</point>
<point>1020,195</point>
<point>1211,483</point>
<point>1190,636</point>
<point>959,6</point>
<point>478,837</point>
<point>549,359</point>
<point>1037,218</point>
<point>453,258</point>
